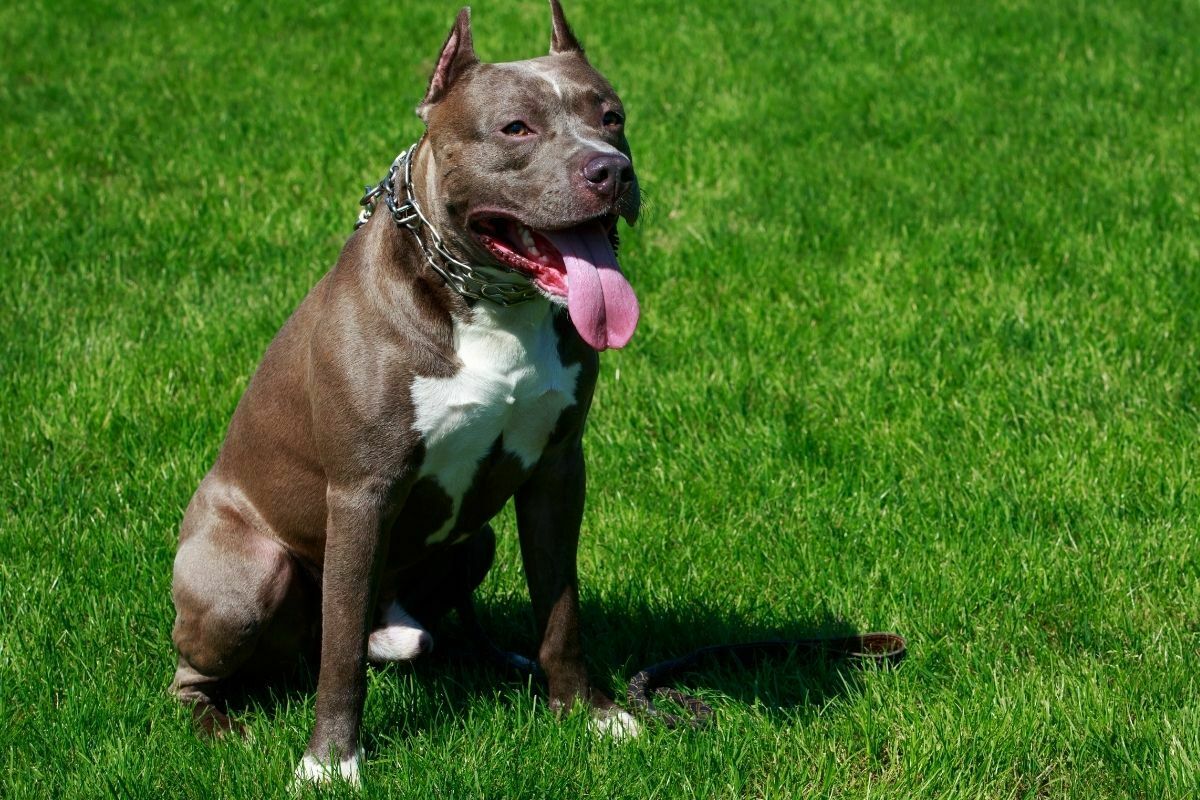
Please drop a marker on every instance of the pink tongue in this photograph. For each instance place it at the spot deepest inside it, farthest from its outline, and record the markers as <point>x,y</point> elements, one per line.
<point>601,302</point>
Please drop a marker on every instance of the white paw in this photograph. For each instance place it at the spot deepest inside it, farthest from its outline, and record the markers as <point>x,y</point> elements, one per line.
<point>312,771</point>
<point>614,723</point>
<point>400,639</point>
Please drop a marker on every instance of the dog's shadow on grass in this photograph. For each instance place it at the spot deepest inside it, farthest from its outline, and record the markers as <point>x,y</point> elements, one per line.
<point>620,640</point>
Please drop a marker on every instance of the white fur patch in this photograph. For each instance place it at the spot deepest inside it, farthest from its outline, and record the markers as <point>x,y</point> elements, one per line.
<point>400,639</point>
<point>596,144</point>
<point>544,71</point>
<point>310,770</point>
<point>616,724</point>
<point>511,384</point>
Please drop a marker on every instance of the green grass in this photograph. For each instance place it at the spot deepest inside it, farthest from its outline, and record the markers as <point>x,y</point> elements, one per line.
<point>920,351</point>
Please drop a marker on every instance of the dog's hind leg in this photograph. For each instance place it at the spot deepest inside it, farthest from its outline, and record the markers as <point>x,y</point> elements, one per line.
<point>425,592</point>
<point>238,594</point>
<point>400,638</point>
<point>446,579</point>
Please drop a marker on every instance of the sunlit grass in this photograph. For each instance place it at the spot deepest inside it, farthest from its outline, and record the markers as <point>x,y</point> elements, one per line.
<point>920,351</point>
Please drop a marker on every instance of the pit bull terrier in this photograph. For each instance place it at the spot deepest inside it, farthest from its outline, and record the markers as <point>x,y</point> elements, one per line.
<point>444,365</point>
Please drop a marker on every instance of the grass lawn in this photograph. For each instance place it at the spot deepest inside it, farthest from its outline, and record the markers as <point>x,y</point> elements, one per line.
<point>920,351</point>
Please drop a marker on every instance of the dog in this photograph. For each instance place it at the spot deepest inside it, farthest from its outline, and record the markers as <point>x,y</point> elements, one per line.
<point>443,366</point>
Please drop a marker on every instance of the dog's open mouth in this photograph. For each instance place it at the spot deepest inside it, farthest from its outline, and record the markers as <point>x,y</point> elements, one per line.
<point>530,252</point>
<point>577,263</point>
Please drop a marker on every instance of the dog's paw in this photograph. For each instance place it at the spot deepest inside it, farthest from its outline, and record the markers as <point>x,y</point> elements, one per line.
<point>400,639</point>
<point>312,771</point>
<point>614,723</point>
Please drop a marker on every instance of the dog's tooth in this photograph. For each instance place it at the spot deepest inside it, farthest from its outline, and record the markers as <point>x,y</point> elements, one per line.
<point>527,240</point>
<point>530,244</point>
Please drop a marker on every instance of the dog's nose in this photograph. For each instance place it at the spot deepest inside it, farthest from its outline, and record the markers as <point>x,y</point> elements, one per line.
<point>608,174</point>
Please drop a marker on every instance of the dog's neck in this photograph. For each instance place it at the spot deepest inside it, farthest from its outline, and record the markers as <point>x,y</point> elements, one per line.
<point>413,177</point>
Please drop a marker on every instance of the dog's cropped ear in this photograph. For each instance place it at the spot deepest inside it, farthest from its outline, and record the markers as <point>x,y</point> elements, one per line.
<point>458,55</point>
<point>562,39</point>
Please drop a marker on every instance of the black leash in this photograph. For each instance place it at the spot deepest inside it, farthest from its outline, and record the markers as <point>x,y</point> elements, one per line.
<point>864,649</point>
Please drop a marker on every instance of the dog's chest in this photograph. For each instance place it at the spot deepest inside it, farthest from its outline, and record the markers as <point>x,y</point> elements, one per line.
<point>509,391</point>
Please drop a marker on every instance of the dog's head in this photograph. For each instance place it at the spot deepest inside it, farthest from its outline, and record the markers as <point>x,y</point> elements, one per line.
<point>528,167</point>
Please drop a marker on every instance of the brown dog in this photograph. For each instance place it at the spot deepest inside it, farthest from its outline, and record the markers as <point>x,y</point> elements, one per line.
<point>444,365</point>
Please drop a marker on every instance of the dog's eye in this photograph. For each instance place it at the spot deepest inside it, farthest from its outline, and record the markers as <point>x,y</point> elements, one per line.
<point>613,119</point>
<point>516,128</point>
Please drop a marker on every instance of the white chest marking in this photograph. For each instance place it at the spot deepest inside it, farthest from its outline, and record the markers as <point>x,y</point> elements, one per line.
<point>511,385</point>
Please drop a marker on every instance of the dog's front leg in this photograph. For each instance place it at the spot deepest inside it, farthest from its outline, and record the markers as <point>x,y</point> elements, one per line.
<point>549,511</point>
<point>354,552</point>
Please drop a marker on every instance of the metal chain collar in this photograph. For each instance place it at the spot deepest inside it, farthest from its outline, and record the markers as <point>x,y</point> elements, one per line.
<point>466,279</point>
